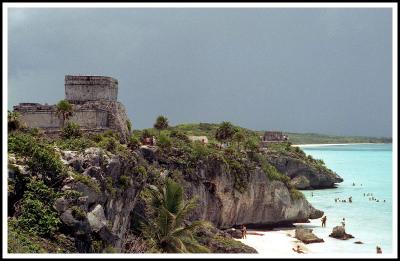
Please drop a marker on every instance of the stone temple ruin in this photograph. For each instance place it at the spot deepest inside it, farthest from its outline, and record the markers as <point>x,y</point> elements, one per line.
<point>95,107</point>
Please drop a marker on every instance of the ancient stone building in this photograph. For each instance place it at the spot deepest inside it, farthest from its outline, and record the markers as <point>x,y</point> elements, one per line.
<point>273,136</point>
<point>95,107</point>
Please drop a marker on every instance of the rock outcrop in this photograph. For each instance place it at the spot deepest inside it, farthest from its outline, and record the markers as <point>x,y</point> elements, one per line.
<point>221,242</point>
<point>105,208</point>
<point>340,233</point>
<point>306,236</point>
<point>304,175</point>
<point>263,202</point>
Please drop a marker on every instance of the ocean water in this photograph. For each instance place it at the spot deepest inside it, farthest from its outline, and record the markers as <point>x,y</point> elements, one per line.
<point>369,166</point>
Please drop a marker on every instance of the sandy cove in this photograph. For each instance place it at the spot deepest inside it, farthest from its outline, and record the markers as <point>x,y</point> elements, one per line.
<point>276,242</point>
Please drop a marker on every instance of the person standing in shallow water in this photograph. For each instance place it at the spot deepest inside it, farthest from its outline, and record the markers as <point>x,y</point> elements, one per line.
<point>343,223</point>
<point>243,231</point>
<point>323,220</point>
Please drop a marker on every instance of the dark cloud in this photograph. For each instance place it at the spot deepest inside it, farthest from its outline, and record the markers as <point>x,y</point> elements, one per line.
<point>301,70</point>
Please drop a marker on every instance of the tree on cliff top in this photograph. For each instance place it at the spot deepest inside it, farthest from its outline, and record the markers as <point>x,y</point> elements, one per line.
<point>238,137</point>
<point>161,123</point>
<point>64,111</point>
<point>167,229</point>
<point>225,131</point>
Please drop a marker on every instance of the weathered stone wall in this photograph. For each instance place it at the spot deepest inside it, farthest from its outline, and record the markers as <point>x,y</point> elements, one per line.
<point>49,118</point>
<point>90,88</point>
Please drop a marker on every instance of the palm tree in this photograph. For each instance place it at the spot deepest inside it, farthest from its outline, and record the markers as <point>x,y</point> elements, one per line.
<point>167,229</point>
<point>238,137</point>
<point>64,111</point>
<point>225,131</point>
<point>161,123</point>
<point>14,120</point>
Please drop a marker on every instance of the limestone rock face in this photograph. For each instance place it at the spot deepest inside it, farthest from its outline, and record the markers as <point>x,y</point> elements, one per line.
<point>299,171</point>
<point>306,236</point>
<point>107,212</point>
<point>300,182</point>
<point>263,202</point>
<point>96,218</point>
<point>340,233</point>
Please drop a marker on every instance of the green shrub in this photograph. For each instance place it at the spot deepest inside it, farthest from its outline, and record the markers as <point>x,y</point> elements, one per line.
<point>71,130</point>
<point>97,246</point>
<point>140,170</point>
<point>109,143</point>
<point>87,180</point>
<point>164,141</point>
<point>78,144</point>
<point>78,213</point>
<point>45,160</point>
<point>251,145</point>
<point>36,189</point>
<point>111,134</point>
<point>36,217</point>
<point>14,121</point>
<point>96,137</point>
<point>133,143</point>
<point>72,194</point>
<point>129,125</point>
<point>35,132</point>
<point>20,240</point>
<point>110,249</point>
<point>124,181</point>
<point>199,150</point>
<point>177,134</point>
<point>110,186</point>
<point>41,157</point>
<point>296,194</point>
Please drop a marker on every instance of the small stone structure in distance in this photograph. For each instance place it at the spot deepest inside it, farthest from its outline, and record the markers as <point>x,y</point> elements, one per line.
<point>272,137</point>
<point>95,107</point>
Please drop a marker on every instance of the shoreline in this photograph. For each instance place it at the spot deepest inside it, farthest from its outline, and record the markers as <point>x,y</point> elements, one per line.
<point>335,144</point>
<point>277,242</point>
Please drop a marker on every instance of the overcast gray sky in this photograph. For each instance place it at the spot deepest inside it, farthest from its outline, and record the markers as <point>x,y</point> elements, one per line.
<point>299,70</point>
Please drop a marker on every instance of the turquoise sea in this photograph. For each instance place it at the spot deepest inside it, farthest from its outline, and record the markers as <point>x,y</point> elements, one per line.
<point>369,166</point>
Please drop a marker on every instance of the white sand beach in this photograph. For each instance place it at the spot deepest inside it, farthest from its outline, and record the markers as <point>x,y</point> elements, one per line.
<point>277,242</point>
<point>280,242</point>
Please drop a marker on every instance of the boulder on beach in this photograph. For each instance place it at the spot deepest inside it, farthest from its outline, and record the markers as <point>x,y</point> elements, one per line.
<point>306,236</point>
<point>235,233</point>
<point>340,233</point>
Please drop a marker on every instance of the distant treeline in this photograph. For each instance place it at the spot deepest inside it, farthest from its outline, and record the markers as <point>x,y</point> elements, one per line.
<point>314,138</point>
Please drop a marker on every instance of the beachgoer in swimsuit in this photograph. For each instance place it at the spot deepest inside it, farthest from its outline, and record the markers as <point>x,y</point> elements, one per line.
<point>298,250</point>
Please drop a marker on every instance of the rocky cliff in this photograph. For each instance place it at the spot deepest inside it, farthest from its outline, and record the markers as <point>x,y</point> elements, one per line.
<point>263,202</point>
<point>305,175</point>
<point>90,195</point>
